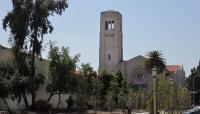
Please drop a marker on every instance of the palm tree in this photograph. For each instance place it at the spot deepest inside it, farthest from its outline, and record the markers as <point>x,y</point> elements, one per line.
<point>155,60</point>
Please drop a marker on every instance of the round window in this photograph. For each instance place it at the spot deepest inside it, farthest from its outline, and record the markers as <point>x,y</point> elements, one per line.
<point>140,76</point>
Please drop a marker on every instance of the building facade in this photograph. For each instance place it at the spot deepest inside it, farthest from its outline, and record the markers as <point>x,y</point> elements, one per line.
<point>111,55</point>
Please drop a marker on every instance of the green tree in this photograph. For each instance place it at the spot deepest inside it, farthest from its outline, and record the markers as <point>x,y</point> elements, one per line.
<point>155,60</point>
<point>104,79</point>
<point>132,98</point>
<point>62,77</point>
<point>164,90</point>
<point>112,94</point>
<point>163,94</point>
<point>89,78</point>
<point>183,98</point>
<point>4,88</point>
<point>81,95</point>
<point>28,22</point>
<point>117,93</point>
<point>193,84</point>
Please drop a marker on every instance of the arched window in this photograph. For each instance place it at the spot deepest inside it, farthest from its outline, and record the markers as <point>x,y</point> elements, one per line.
<point>109,57</point>
<point>106,25</point>
<point>109,25</point>
<point>112,25</point>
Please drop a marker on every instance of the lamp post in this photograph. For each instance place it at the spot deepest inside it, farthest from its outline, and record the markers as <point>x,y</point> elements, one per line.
<point>171,85</point>
<point>154,89</point>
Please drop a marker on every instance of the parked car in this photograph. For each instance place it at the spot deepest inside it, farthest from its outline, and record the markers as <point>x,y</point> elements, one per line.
<point>195,110</point>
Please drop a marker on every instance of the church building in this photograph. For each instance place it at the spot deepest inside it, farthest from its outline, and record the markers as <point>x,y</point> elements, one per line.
<point>111,55</point>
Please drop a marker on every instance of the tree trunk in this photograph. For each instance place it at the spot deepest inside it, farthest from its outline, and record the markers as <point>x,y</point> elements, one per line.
<point>25,100</point>
<point>33,68</point>
<point>59,101</point>
<point>50,96</point>
<point>33,100</point>
<point>7,106</point>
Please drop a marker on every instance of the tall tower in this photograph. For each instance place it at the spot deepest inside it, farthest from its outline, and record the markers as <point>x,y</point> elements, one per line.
<point>111,41</point>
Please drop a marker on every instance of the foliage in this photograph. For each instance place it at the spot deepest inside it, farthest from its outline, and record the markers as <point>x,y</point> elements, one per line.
<point>168,95</point>
<point>118,94</point>
<point>28,22</point>
<point>4,88</point>
<point>90,80</point>
<point>155,60</point>
<point>123,97</point>
<point>183,98</point>
<point>133,98</point>
<point>194,85</point>
<point>80,95</point>
<point>62,69</point>
<point>112,94</point>
<point>163,95</point>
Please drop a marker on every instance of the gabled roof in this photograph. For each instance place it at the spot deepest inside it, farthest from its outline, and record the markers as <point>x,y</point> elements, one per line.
<point>137,58</point>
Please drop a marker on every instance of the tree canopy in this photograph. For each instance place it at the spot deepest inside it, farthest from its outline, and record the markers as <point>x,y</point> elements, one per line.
<point>155,60</point>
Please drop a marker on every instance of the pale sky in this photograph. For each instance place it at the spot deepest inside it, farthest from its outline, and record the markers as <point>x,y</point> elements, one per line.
<point>172,26</point>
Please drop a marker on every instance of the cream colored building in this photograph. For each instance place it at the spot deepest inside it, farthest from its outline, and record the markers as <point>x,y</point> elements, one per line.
<point>111,54</point>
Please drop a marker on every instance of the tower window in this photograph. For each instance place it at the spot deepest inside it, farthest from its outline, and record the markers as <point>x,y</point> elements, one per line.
<point>106,25</point>
<point>109,57</point>
<point>109,25</point>
<point>112,25</point>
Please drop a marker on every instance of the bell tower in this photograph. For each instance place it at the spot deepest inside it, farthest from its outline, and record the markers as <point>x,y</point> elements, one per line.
<point>111,41</point>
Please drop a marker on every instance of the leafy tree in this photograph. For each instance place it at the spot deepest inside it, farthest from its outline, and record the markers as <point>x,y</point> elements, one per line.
<point>20,83</point>
<point>89,78</point>
<point>193,84</point>
<point>81,95</point>
<point>117,94</point>
<point>183,98</point>
<point>28,22</point>
<point>166,94</point>
<point>4,88</point>
<point>132,98</point>
<point>123,98</point>
<point>112,94</point>
<point>104,79</point>
<point>62,77</point>
<point>155,60</point>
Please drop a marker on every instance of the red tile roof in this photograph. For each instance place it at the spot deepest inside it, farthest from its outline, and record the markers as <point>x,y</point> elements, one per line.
<point>173,68</point>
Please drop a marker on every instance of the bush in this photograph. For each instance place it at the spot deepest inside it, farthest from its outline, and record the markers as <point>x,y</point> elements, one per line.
<point>42,105</point>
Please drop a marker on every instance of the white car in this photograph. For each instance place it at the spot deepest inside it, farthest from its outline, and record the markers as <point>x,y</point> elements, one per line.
<point>195,110</point>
